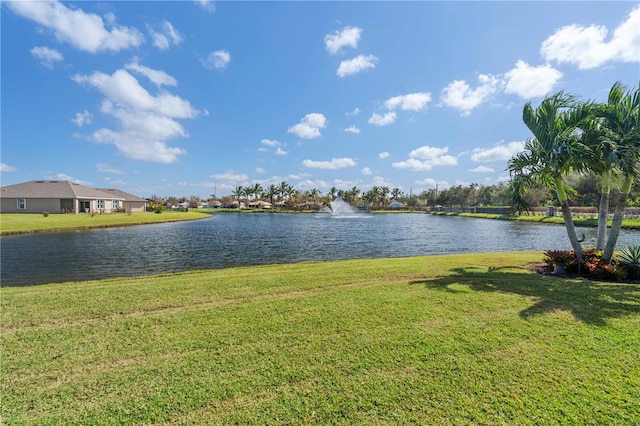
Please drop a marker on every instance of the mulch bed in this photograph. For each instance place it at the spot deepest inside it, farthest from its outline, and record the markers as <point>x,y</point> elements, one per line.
<point>544,269</point>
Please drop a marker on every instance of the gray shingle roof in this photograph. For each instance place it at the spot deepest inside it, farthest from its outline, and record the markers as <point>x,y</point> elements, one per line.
<point>54,189</point>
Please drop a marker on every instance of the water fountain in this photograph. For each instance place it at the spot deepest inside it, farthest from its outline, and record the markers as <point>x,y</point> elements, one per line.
<point>339,207</point>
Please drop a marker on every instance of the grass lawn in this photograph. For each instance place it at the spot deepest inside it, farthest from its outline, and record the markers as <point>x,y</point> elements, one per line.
<point>459,339</point>
<point>20,223</point>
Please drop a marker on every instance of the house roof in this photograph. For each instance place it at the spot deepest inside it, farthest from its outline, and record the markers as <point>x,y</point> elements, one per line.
<point>54,189</point>
<point>121,194</point>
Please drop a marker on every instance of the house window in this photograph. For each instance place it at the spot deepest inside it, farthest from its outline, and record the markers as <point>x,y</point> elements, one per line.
<point>22,203</point>
<point>100,204</point>
<point>115,204</point>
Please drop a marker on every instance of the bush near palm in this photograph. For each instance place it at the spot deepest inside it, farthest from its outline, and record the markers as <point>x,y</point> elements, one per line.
<point>629,259</point>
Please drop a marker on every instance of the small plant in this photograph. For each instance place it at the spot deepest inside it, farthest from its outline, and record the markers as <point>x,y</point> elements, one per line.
<point>629,259</point>
<point>559,260</point>
<point>158,210</point>
<point>45,213</point>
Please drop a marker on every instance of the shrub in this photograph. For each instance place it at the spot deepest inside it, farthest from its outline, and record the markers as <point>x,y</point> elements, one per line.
<point>158,210</point>
<point>559,257</point>
<point>45,213</point>
<point>629,259</point>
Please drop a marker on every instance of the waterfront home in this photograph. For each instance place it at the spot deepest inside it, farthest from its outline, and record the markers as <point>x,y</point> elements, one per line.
<point>63,196</point>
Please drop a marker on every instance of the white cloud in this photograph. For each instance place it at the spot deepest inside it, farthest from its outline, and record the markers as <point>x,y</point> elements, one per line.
<point>382,120</point>
<point>498,152</point>
<point>349,36</point>
<point>122,88</point>
<point>586,46</point>
<point>270,143</point>
<point>425,158</point>
<point>355,65</point>
<point>335,163</point>
<point>260,170</point>
<point>531,82</point>
<point>428,152</point>
<point>85,31</point>
<point>157,77</point>
<point>63,176</point>
<point>383,155</point>
<point>82,118</point>
<point>7,168</point>
<point>231,176</point>
<point>146,122</point>
<point>108,168</point>
<point>432,183</point>
<point>165,36</point>
<point>218,59</point>
<point>482,169</point>
<point>410,102</point>
<point>366,171</point>
<point>352,129</point>
<point>355,112</point>
<point>309,127</point>
<point>458,94</point>
<point>47,56</point>
<point>207,5</point>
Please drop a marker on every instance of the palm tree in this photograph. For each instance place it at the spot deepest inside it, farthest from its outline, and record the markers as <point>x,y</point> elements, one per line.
<point>271,193</point>
<point>238,193</point>
<point>554,151</point>
<point>333,193</point>
<point>256,190</point>
<point>353,194</point>
<point>621,125</point>
<point>384,191</point>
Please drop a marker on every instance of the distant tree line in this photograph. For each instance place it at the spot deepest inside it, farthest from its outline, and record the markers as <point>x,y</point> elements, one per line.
<point>587,194</point>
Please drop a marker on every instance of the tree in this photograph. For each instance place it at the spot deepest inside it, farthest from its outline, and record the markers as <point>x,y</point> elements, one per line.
<point>554,151</point>
<point>256,191</point>
<point>621,128</point>
<point>272,193</point>
<point>238,193</point>
<point>396,193</point>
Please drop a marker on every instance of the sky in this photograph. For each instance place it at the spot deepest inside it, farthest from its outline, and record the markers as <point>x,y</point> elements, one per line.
<point>183,98</point>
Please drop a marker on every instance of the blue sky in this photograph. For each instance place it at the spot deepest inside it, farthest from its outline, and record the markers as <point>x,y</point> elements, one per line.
<point>194,98</point>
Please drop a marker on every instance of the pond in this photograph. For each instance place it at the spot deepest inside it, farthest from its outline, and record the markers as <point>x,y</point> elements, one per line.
<point>242,239</point>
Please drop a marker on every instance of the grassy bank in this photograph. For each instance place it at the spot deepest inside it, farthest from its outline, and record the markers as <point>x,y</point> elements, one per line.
<point>556,220</point>
<point>464,339</point>
<point>26,223</point>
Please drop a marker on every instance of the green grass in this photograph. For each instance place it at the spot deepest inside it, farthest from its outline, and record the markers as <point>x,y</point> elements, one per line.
<point>25,223</point>
<point>556,220</point>
<point>461,339</point>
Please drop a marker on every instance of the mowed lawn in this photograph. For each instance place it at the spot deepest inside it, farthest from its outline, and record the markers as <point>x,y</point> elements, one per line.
<point>459,339</point>
<point>24,223</point>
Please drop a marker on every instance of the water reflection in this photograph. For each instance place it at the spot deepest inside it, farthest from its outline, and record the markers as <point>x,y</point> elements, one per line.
<point>233,239</point>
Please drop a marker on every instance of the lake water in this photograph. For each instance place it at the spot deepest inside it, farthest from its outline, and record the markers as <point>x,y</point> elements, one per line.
<point>241,239</point>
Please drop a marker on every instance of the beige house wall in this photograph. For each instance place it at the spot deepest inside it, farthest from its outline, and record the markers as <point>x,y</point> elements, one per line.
<point>53,205</point>
<point>135,206</point>
<point>34,205</point>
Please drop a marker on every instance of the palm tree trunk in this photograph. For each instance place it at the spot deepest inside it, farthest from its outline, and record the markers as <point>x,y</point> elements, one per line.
<point>618,216</point>
<point>603,215</point>
<point>568,218</point>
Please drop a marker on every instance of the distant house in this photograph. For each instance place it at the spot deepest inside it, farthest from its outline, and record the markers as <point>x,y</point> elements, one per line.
<point>259,204</point>
<point>62,196</point>
<point>396,205</point>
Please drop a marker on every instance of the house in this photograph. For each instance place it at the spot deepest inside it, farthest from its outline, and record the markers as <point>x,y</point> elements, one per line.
<point>130,203</point>
<point>62,196</point>
<point>259,204</point>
